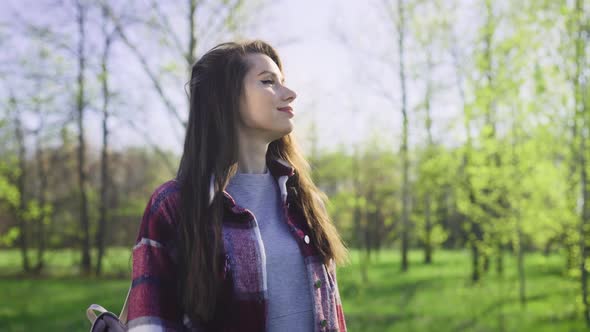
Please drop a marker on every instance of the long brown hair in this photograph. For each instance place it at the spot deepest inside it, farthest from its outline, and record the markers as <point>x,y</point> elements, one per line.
<point>210,148</point>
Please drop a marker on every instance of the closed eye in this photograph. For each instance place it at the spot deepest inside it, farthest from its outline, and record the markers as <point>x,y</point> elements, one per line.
<point>268,81</point>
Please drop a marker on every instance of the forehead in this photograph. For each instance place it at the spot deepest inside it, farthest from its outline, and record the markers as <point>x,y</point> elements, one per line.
<point>261,62</point>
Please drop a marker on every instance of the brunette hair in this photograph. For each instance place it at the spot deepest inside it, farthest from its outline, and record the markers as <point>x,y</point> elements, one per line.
<point>210,148</point>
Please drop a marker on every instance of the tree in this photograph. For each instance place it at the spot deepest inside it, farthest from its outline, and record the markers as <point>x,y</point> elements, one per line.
<point>105,182</point>
<point>222,17</point>
<point>397,15</point>
<point>18,210</point>
<point>81,102</point>
<point>580,27</point>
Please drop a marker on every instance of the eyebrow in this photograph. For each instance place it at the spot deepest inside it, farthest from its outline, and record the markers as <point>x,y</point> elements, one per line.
<point>273,74</point>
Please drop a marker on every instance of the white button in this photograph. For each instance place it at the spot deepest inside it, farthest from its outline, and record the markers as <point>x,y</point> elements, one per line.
<point>306,239</point>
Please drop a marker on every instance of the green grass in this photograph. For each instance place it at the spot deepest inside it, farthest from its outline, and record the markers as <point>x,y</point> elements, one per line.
<point>66,262</point>
<point>440,297</point>
<point>437,297</point>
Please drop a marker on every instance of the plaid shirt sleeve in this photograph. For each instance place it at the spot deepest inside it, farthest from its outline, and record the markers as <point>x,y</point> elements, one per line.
<point>153,301</point>
<point>339,310</point>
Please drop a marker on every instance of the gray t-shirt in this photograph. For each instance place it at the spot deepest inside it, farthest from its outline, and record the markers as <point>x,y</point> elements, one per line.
<point>289,304</point>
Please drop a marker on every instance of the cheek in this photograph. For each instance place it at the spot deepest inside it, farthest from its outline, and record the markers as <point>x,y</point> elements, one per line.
<point>256,106</point>
<point>248,114</point>
<point>246,104</point>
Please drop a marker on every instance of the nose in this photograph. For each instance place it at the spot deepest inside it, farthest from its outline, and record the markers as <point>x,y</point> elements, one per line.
<point>289,95</point>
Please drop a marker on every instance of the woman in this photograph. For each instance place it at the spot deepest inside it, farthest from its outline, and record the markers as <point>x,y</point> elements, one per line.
<point>240,240</point>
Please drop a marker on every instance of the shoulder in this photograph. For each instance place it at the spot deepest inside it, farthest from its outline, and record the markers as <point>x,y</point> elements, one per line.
<point>164,199</point>
<point>161,215</point>
<point>167,192</point>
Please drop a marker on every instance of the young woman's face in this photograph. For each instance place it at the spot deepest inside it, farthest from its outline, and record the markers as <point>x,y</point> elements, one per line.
<point>264,96</point>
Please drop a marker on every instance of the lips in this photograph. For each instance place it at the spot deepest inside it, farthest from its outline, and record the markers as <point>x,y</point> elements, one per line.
<point>287,110</point>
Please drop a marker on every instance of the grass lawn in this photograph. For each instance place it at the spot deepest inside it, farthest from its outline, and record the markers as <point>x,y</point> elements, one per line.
<point>437,297</point>
<point>440,297</point>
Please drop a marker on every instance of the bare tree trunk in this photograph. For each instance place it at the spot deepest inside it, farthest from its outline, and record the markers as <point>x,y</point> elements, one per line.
<point>490,120</point>
<point>379,230</point>
<point>104,162</point>
<point>476,250</point>
<point>42,175</point>
<point>357,195</point>
<point>22,204</point>
<point>405,233</point>
<point>499,260</point>
<point>427,199</point>
<point>582,117</point>
<point>476,235</point>
<point>369,245</point>
<point>81,104</point>
<point>584,218</point>
<point>428,232</point>
<point>192,40</point>
<point>520,258</point>
<point>358,215</point>
<point>486,262</point>
<point>374,226</point>
<point>475,275</point>
<point>366,261</point>
<point>570,255</point>
<point>518,242</point>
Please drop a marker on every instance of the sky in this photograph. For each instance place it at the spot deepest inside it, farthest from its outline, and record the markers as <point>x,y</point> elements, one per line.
<point>339,56</point>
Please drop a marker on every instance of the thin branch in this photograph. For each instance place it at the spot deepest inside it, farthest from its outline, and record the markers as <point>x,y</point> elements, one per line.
<point>142,59</point>
<point>149,140</point>
<point>167,26</point>
<point>221,20</point>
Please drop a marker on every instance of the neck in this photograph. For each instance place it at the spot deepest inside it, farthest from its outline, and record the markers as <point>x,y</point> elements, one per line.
<point>252,156</point>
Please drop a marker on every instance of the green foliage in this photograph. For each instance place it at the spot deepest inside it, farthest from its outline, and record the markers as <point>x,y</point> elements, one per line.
<point>365,179</point>
<point>8,192</point>
<point>10,237</point>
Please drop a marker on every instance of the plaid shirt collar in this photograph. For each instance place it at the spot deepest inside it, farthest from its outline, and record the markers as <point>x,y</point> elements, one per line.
<point>280,169</point>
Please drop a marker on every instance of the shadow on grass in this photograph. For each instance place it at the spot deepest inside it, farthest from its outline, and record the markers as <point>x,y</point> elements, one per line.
<point>469,324</point>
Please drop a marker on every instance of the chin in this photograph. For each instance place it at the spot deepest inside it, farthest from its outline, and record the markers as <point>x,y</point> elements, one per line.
<point>284,132</point>
<point>288,130</point>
